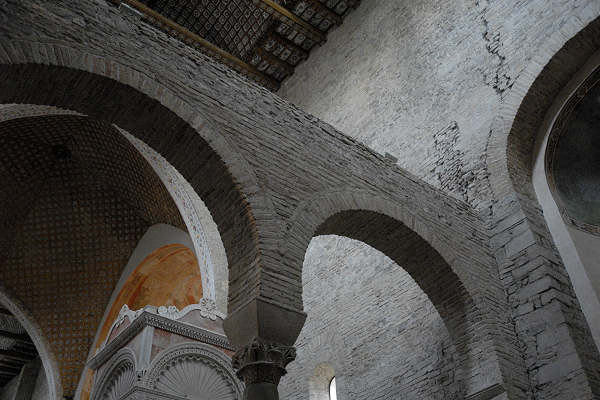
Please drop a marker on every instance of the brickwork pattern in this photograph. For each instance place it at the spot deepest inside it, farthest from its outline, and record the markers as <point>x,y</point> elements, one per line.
<point>452,82</point>
<point>554,335</point>
<point>291,171</point>
<point>371,322</point>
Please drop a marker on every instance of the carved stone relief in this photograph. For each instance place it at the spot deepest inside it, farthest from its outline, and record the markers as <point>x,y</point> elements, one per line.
<point>194,370</point>
<point>119,378</point>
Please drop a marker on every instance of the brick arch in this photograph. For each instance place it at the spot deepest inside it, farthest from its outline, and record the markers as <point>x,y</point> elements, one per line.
<point>453,279</point>
<point>117,94</point>
<point>209,248</point>
<point>514,131</point>
<point>526,249</point>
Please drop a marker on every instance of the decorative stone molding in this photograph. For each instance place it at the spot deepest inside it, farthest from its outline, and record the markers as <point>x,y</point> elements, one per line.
<point>147,318</point>
<point>209,250</point>
<point>119,378</point>
<point>263,362</point>
<point>193,370</point>
<point>206,307</point>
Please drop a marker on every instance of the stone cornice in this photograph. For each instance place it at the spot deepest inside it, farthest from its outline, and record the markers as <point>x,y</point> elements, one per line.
<point>148,319</point>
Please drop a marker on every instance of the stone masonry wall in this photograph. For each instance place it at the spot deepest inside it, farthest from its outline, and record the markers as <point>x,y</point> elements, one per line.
<point>370,321</point>
<point>397,73</point>
<point>263,131</point>
<point>293,156</point>
<point>427,82</point>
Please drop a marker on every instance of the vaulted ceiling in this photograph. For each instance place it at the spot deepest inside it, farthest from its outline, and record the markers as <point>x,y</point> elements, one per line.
<point>262,39</point>
<point>76,199</point>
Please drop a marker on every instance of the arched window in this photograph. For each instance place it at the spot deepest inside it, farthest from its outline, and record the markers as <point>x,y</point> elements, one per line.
<point>332,389</point>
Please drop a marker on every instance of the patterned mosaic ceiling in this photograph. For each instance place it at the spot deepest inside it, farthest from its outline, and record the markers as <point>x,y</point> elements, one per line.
<point>76,199</point>
<point>263,39</point>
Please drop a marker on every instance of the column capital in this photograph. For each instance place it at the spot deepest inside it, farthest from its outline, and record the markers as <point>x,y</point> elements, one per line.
<point>262,362</point>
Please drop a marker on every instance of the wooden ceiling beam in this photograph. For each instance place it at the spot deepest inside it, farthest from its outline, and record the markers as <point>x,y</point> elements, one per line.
<point>286,16</point>
<point>285,42</point>
<point>202,44</point>
<point>273,60</point>
<point>329,14</point>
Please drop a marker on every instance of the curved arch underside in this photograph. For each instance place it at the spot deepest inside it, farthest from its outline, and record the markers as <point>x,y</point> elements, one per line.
<point>540,271</point>
<point>428,269</point>
<point>77,198</point>
<point>115,103</point>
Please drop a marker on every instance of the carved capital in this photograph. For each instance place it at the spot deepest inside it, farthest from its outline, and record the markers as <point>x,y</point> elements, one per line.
<point>262,362</point>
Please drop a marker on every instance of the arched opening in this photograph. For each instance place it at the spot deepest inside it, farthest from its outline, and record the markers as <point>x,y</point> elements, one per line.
<point>21,372</point>
<point>319,382</point>
<point>32,371</point>
<point>167,132</point>
<point>573,158</point>
<point>332,389</point>
<point>544,284</point>
<point>566,177</point>
<point>354,292</point>
<point>78,198</point>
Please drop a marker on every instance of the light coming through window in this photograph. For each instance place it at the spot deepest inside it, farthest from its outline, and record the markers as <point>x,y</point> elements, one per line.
<point>332,391</point>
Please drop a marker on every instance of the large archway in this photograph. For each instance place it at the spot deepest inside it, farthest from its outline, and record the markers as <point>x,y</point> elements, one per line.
<point>439,267</point>
<point>49,364</point>
<point>77,198</point>
<point>534,272</point>
<point>188,150</point>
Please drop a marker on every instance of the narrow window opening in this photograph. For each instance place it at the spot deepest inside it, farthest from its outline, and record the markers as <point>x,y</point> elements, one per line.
<point>332,390</point>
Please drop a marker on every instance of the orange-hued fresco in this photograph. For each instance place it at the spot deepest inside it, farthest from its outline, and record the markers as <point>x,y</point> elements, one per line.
<point>169,276</point>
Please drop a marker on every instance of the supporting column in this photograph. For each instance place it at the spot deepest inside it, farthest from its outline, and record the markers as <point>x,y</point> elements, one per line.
<point>263,334</point>
<point>261,365</point>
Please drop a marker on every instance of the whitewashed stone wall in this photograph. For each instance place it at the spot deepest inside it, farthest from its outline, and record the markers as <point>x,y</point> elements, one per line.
<point>399,75</point>
<point>371,322</point>
<point>270,133</point>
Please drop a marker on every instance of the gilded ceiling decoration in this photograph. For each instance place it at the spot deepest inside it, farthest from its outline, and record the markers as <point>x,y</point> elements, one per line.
<point>262,39</point>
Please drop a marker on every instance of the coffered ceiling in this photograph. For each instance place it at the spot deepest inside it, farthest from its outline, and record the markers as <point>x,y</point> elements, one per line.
<point>262,39</point>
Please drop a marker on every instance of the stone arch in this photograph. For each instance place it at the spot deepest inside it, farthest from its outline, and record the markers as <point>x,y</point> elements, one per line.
<point>119,377</point>
<point>448,282</point>
<point>49,362</point>
<point>514,131</point>
<point>97,186</point>
<point>115,93</point>
<point>209,369</point>
<point>201,227</point>
<point>575,239</point>
<point>518,216</point>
